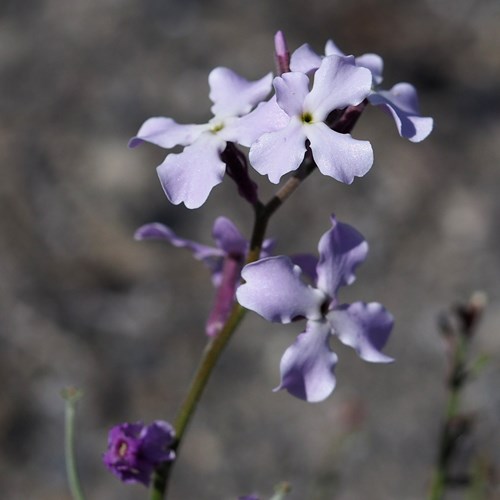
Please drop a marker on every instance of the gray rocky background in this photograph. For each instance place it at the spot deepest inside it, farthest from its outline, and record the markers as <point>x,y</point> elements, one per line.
<point>81,303</point>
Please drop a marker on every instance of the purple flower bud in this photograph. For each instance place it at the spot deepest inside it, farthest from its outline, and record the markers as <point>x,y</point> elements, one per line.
<point>136,450</point>
<point>282,53</point>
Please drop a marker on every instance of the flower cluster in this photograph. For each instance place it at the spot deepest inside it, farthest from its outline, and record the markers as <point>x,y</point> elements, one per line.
<point>302,117</point>
<point>135,450</point>
<point>311,93</point>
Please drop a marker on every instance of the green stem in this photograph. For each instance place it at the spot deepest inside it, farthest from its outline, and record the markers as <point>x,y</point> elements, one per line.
<point>71,396</point>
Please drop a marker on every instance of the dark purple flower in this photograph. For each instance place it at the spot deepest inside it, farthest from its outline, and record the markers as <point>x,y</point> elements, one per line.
<point>401,101</point>
<point>274,288</point>
<point>225,262</point>
<point>135,450</point>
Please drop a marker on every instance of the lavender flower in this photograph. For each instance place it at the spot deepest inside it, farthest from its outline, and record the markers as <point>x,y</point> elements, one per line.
<point>401,101</point>
<point>136,450</point>
<point>296,116</point>
<point>276,290</point>
<point>188,177</point>
<point>225,262</point>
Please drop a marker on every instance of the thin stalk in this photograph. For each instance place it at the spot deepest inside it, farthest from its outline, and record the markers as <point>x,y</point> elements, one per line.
<point>71,396</point>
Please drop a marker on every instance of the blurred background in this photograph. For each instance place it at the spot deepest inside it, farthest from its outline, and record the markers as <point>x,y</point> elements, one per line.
<point>82,303</point>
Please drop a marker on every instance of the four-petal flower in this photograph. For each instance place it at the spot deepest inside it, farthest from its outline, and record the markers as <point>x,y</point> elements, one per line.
<point>296,118</point>
<point>188,177</point>
<point>274,288</point>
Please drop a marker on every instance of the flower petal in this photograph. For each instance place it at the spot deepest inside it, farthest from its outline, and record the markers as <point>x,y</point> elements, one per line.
<point>189,177</point>
<point>331,49</point>
<point>339,155</point>
<point>304,59</point>
<point>401,102</point>
<point>341,250</point>
<point>210,256</point>
<point>338,83</point>
<point>307,263</point>
<point>234,95</point>
<point>229,238</point>
<point>166,133</point>
<point>374,63</point>
<point>280,152</point>
<point>307,366</point>
<point>274,290</point>
<point>291,90</point>
<point>364,327</point>
<point>266,117</point>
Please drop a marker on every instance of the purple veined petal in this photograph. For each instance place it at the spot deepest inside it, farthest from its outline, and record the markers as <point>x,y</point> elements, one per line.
<point>338,83</point>
<point>229,238</point>
<point>338,155</point>
<point>401,102</point>
<point>307,367</point>
<point>225,295</point>
<point>275,290</point>
<point>364,327</point>
<point>341,250</point>
<point>291,90</point>
<point>304,59</point>
<point>188,177</point>
<point>210,256</point>
<point>331,49</point>
<point>266,117</point>
<point>374,63</point>
<point>166,133</point>
<point>277,153</point>
<point>234,95</point>
<point>308,264</point>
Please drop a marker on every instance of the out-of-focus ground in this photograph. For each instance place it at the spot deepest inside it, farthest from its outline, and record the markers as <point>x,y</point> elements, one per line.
<point>82,303</point>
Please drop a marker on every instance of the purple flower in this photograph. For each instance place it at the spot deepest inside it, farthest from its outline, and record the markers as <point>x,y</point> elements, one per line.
<point>401,101</point>
<point>276,289</point>
<point>224,261</point>
<point>136,450</point>
<point>188,177</point>
<point>296,117</point>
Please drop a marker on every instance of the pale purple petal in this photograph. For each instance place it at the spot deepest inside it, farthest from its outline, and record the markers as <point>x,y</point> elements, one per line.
<point>275,290</point>
<point>364,327</point>
<point>307,366</point>
<point>401,102</point>
<point>280,152</point>
<point>304,59</point>
<point>339,155</point>
<point>234,95</point>
<point>266,117</point>
<point>210,256</point>
<point>331,49</point>
<point>341,250</point>
<point>229,238</point>
<point>307,263</point>
<point>291,90</point>
<point>166,133</point>
<point>374,63</point>
<point>338,83</point>
<point>188,177</point>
